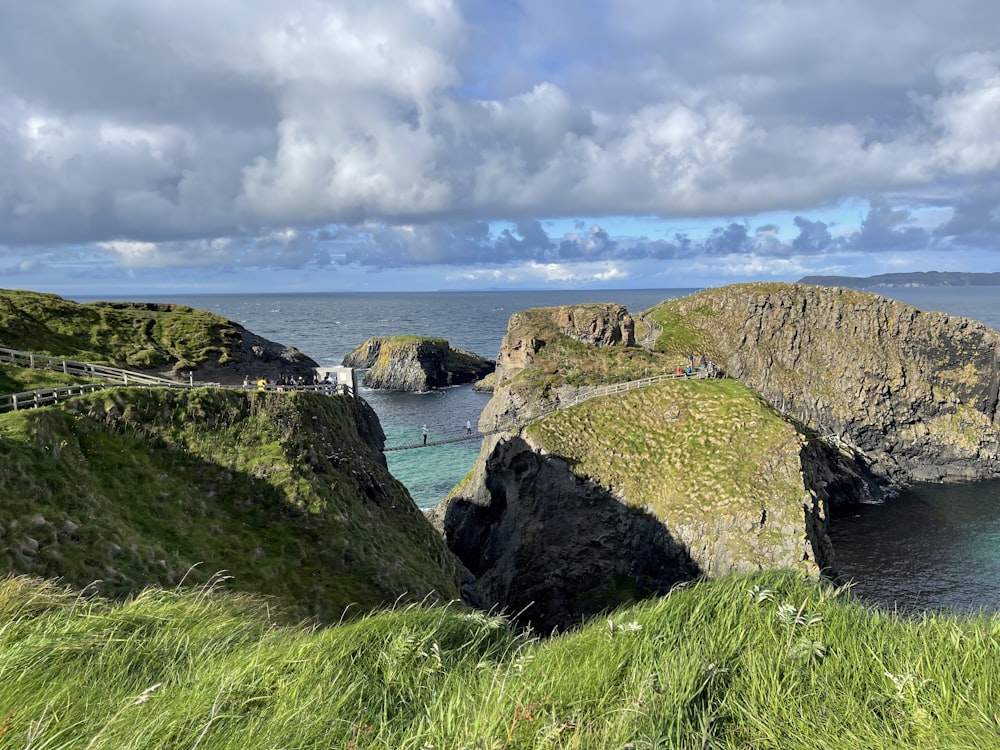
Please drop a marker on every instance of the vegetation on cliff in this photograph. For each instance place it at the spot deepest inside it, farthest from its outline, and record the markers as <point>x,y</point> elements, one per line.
<point>138,487</point>
<point>761,661</point>
<point>141,336</point>
<point>719,467</point>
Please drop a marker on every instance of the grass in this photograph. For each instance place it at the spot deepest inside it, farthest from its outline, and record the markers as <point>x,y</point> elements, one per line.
<point>14,379</point>
<point>119,333</point>
<point>137,487</point>
<point>762,661</point>
<point>707,457</point>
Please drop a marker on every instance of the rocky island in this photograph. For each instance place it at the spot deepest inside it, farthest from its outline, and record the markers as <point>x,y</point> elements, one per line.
<point>416,363</point>
<point>832,397</point>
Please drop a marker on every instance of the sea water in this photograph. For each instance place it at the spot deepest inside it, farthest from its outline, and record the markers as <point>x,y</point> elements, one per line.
<point>933,547</point>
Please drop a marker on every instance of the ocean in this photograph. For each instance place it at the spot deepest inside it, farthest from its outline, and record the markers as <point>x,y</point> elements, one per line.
<point>933,547</point>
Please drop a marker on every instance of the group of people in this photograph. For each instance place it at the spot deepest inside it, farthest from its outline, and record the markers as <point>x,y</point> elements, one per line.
<point>705,368</point>
<point>291,382</point>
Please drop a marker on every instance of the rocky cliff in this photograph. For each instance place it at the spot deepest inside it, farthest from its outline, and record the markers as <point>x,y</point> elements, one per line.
<point>623,496</point>
<point>414,363</point>
<point>915,393</point>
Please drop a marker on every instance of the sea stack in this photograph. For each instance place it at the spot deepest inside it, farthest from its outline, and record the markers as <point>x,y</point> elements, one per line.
<point>416,363</point>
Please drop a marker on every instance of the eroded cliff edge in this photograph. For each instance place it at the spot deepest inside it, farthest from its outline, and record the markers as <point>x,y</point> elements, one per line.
<point>831,396</point>
<point>416,363</point>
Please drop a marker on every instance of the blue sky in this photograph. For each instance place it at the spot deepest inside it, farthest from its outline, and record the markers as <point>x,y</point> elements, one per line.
<point>171,146</point>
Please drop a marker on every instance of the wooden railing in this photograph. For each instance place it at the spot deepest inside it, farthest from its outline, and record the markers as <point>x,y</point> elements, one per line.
<point>46,396</point>
<point>83,369</point>
<point>114,376</point>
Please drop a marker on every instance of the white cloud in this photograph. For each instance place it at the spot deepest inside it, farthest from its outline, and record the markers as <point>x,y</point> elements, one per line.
<point>225,134</point>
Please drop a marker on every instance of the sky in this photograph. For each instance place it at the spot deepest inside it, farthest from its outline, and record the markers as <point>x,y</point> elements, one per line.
<point>210,146</point>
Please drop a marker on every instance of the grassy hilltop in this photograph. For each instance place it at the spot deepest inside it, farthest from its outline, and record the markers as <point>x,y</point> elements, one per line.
<point>762,661</point>
<point>125,334</point>
<point>161,338</point>
<point>139,487</point>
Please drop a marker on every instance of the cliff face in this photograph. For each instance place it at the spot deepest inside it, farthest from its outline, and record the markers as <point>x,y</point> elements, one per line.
<point>550,354</point>
<point>914,392</point>
<point>412,363</point>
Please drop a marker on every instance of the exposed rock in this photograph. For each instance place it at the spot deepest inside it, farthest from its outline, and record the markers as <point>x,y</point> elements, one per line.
<point>624,496</point>
<point>485,384</point>
<point>414,363</point>
<point>554,547</point>
<point>538,331</point>
<point>251,356</point>
<point>914,392</point>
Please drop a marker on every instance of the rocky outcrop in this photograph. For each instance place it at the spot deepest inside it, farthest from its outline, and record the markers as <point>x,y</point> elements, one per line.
<point>553,342</point>
<point>913,392</point>
<point>413,363</point>
<point>625,496</point>
<point>834,395</point>
<point>529,331</point>
<point>554,547</point>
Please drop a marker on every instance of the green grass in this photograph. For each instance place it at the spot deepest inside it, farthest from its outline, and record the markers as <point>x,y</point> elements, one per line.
<point>706,457</point>
<point>763,661</point>
<point>118,333</point>
<point>14,379</point>
<point>136,487</point>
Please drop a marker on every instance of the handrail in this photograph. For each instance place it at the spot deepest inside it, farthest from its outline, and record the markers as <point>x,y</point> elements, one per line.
<point>80,369</point>
<point>515,425</point>
<point>115,376</point>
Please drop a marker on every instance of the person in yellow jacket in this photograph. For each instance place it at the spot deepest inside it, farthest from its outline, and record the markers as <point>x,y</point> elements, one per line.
<point>262,384</point>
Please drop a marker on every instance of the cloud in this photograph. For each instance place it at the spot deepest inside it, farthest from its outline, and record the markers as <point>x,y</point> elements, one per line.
<point>310,134</point>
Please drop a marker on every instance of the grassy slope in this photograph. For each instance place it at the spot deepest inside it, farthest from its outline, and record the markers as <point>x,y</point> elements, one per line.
<point>763,661</point>
<point>141,336</point>
<point>693,452</point>
<point>135,486</point>
<point>15,379</point>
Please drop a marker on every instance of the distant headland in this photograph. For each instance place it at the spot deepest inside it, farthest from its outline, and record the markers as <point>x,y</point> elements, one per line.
<point>918,278</point>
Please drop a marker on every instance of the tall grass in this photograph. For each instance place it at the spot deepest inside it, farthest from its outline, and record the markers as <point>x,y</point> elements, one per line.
<point>762,661</point>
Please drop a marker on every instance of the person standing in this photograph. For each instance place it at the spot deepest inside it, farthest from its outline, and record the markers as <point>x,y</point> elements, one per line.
<point>425,434</point>
<point>468,426</point>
